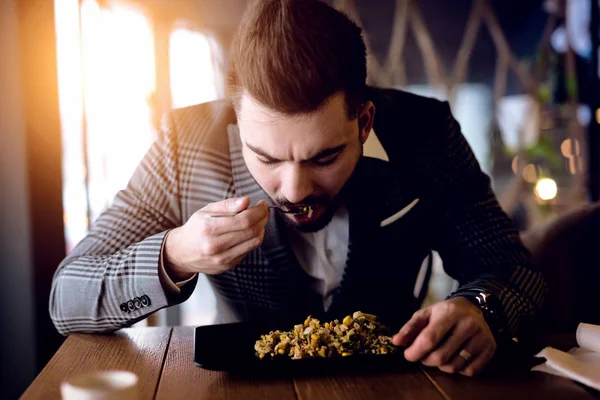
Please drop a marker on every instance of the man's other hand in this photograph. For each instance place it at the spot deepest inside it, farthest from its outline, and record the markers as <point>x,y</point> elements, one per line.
<point>451,335</point>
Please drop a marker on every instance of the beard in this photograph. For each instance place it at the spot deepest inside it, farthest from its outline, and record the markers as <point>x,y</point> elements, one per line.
<point>328,206</point>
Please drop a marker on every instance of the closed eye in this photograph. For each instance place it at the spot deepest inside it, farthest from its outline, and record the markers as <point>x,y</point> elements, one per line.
<point>324,162</point>
<point>267,162</point>
<point>323,159</point>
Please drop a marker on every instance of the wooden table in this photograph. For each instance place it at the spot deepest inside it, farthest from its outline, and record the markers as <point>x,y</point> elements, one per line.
<point>163,360</point>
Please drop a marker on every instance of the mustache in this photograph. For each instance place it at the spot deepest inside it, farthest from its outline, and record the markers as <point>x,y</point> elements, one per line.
<point>309,201</point>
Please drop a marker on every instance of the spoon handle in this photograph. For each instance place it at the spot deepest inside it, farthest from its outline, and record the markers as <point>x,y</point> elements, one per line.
<point>232,214</point>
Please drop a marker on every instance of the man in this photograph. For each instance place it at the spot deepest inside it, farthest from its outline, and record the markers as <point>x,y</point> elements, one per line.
<point>356,229</point>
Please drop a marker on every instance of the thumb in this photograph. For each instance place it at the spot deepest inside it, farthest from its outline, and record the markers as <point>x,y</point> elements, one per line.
<point>235,204</point>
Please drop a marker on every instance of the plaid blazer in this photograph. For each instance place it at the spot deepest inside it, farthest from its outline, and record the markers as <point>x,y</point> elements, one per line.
<point>111,279</point>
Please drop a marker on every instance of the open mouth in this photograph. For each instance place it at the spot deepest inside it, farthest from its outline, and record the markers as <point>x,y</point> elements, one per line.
<point>303,210</point>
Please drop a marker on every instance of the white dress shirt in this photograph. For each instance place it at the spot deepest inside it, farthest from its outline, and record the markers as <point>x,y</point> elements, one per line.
<point>322,254</point>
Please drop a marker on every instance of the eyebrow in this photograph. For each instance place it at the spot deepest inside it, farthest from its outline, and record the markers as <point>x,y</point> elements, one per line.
<point>319,155</point>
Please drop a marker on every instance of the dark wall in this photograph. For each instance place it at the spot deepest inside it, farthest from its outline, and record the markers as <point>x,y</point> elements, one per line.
<point>39,86</point>
<point>17,344</point>
<point>31,227</point>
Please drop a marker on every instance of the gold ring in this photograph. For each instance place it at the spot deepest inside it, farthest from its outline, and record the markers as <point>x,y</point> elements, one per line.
<point>465,354</point>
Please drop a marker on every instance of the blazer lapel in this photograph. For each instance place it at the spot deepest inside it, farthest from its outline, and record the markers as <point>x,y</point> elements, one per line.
<point>374,193</point>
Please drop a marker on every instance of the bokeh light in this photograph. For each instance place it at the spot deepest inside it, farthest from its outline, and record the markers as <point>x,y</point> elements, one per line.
<point>515,165</point>
<point>546,189</point>
<point>530,173</point>
<point>570,148</point>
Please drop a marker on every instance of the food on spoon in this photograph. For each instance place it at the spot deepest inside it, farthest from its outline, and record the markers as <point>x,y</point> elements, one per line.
<point>302,210</point>
<point>356,334</point>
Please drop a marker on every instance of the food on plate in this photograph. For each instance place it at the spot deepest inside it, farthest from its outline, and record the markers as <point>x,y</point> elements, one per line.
<point>356,334</point>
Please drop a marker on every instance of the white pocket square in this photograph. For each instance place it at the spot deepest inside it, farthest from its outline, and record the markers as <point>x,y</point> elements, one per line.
<point>399,214</point>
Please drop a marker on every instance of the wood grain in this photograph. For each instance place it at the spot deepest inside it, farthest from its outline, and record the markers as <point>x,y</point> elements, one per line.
<point>532,384</point>
<point>163,360</point>
<point>509,376</point>
<point>181,379</point>
<point>139,350</point>
<point>408,383</point>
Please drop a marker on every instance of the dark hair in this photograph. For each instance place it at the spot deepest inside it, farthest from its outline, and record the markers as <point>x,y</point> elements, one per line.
<point>293,55</point>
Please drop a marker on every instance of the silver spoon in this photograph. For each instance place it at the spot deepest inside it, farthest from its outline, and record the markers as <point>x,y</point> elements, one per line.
<point>294,210</point>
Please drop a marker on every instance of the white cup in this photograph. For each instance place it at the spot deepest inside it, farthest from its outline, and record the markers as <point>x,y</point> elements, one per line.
<point>104,385</point>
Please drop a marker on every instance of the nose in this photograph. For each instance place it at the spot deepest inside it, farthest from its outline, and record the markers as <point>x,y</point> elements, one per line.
<point>296,184</point>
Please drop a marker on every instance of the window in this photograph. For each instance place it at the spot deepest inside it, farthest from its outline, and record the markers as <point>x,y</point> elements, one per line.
<point>106,121</point>
<point>107,79</point>
<point>191,69</point>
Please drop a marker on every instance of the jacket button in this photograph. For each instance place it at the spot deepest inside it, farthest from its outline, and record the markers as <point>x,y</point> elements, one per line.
<point>137,303</point>
<point>124,307</point>
<point>130,305</point>
<point>145,300</point>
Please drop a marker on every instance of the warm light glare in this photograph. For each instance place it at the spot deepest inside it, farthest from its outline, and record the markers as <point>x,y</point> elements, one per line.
<point>598,115</point>
<point>546,189</point>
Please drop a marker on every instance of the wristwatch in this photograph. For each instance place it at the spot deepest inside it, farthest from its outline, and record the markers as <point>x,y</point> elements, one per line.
<point>488,304</point>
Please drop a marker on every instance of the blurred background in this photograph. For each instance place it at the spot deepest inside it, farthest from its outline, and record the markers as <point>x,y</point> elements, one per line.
<point>84,84</point>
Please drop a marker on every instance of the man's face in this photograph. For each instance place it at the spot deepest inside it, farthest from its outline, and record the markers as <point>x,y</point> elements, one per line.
<point>303,160</point>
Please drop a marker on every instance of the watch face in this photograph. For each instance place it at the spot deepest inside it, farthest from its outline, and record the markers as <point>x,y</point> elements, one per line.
<point>486,299</point>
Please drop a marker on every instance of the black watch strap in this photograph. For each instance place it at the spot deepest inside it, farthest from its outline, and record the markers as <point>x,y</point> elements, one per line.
<point>489,306</point>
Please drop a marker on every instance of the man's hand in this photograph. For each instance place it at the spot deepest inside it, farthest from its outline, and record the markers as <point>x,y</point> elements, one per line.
<point>215,245</point>
<point>451,335</point>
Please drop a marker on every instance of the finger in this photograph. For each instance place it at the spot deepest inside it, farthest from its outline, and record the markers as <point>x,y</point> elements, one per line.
<point>250,217</point>
<point>453,343</point>
<point>429,338</point>
<point>246,219</point>
<point>228,240</point>
<point>477,365</point>
<point>474,347</point>
<point>411,329</point>
<point>235,254</point>
<point>235,204</point>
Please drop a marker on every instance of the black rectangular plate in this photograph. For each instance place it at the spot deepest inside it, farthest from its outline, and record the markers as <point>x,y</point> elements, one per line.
<point>230,347</point>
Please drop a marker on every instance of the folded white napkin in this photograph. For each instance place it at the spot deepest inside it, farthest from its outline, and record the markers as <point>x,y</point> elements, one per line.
<point>582,364</point>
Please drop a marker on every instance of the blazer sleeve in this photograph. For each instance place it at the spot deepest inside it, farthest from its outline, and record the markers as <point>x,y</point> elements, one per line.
<point>111,279</point>
<point>477,241</point>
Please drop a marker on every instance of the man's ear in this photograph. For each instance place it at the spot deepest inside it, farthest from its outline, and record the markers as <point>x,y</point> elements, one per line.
<point>366,117</point>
